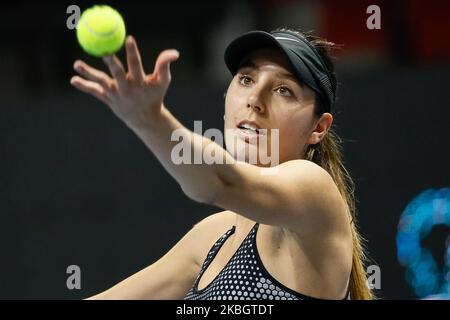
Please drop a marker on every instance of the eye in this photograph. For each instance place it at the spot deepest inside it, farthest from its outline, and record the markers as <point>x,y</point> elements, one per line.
<point>244,79</point>
<point>285,91</point>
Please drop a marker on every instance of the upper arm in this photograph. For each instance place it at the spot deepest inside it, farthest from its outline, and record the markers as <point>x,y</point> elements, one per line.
<point>172,275</point>
<point>299,195</point>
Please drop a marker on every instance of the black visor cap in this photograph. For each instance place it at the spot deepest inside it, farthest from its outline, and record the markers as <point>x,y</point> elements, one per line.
<point>306,63</point>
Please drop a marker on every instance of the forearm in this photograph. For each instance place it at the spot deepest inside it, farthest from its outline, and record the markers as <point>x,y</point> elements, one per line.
<point>200,182</point>
<point>136,98</point>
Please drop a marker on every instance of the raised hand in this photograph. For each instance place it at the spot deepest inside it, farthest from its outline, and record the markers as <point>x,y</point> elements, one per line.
<point>134,96</point>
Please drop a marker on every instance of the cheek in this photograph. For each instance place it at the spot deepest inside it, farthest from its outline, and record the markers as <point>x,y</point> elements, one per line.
<point>295,125</point>
<point>234,103</point>
<point>234,97</point>
<point>292,134</point>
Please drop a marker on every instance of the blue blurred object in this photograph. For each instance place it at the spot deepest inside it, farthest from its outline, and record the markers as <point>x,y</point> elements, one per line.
<point>428,209</point>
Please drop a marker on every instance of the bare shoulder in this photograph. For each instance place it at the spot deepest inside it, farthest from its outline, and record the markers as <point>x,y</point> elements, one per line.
<point>322,200</point>
<point>205,233</point>
<point>218,220</point>
<point>298,195</point>
<point>306,170</point>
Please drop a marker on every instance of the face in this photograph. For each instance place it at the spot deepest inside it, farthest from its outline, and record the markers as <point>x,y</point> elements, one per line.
<point>264,94</point>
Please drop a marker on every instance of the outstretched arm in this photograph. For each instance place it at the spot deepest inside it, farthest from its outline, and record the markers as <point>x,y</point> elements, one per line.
<point>137,99</point>
<point>285,199</point>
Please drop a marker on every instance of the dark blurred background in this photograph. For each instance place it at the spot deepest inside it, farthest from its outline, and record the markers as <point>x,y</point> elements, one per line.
<point>78,188</point>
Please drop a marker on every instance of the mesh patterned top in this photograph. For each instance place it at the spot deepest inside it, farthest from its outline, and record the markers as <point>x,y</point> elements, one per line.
<point>244,277</point>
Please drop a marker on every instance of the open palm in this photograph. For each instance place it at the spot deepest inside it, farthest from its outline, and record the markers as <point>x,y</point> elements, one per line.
<point>134,96</point>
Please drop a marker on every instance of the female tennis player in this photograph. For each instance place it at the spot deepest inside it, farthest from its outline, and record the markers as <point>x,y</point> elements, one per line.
<point>290,235</point>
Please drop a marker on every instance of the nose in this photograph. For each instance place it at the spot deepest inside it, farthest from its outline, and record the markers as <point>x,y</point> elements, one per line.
<point>256,101</point>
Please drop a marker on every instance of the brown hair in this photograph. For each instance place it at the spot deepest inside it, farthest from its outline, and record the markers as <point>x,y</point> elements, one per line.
<point>328,154</point>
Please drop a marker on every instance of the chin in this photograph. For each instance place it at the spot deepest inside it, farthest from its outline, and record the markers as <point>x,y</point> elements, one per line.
<point>250,154</point>
<point>250,151</point>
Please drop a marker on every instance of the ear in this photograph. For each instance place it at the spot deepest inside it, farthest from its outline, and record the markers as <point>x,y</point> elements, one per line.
<point>322,125</point>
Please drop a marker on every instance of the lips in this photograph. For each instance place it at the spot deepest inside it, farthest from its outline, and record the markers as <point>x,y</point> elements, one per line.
<point>249,125</point>
<point>249,131</point>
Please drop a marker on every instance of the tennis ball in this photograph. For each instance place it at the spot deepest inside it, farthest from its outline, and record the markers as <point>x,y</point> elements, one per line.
<point>101,30</point>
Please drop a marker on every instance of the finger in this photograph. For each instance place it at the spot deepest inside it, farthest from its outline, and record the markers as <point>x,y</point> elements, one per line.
<point>134,60</point>
<point>90,87</point>
<point>116,68</point>
<point>162,66</point>
<point>92,74</point>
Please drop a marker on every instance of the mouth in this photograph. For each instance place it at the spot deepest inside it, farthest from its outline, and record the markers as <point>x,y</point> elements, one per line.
<point>250,131</point>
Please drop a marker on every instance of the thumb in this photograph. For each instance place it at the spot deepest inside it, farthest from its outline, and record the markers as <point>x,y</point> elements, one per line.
<point>162,66</point>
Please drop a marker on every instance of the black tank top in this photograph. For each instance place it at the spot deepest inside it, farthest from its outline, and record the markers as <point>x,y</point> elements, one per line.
<point>244,277</point>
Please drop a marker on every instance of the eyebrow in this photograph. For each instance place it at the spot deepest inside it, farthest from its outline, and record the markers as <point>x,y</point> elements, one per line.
<point>250,64</point>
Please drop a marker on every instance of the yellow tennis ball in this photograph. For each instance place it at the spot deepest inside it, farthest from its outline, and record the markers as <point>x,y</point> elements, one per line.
<point>101,30</point>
